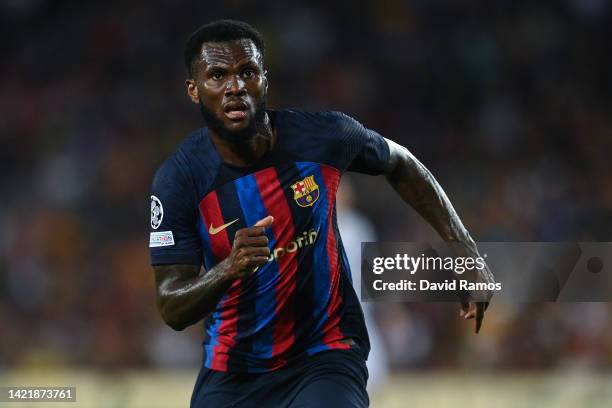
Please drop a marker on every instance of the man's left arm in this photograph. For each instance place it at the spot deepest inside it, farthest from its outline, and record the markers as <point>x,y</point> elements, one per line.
<point>417,187</point>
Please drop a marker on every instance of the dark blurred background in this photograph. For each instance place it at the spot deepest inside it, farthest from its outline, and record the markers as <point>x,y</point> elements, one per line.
<point>508,103</point>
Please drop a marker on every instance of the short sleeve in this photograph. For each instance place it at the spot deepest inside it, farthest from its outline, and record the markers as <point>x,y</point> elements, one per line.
<point>367,151</point>
<point>174,235</point>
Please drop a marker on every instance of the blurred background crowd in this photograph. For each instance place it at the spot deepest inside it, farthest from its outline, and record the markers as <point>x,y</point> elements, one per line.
<point>508,103</point>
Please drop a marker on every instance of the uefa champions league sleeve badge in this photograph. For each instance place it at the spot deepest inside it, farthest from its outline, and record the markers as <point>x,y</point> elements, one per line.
<point>157,212</point>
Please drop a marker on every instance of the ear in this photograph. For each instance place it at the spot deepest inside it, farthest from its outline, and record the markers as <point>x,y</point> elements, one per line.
<point>265,80</point>
<point>192,90</point>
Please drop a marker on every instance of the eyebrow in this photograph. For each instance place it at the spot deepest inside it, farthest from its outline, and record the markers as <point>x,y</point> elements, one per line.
<point>221,65</point>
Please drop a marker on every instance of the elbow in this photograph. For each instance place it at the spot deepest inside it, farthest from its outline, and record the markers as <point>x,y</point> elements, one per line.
<point>170,317</point>
<point>175,324</point>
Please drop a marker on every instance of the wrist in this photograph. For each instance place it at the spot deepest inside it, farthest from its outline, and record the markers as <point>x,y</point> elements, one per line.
<point>229,273</point>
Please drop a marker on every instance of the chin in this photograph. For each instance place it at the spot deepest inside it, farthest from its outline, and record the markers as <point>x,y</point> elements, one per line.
<point>238,132</point>
<point>237,127</point>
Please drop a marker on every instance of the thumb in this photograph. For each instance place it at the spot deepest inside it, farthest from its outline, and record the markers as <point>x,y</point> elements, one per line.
<point>465,307</point>
<point>265,222</point>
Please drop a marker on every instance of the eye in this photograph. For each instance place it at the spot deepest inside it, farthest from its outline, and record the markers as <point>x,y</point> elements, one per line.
<point>248,73</point>
<point>217,75</point>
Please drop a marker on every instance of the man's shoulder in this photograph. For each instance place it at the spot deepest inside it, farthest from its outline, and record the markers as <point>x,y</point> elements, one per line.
<point>311,118</point>
<point>192,144</point>
<point>311,129</point>
<point>191,159</point>
<point>314,136</point>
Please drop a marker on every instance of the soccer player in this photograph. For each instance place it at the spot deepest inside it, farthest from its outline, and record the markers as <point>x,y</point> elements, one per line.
<point>244,234</point>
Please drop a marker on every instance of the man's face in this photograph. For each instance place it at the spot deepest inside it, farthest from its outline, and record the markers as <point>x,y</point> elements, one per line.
<point>229,84</point>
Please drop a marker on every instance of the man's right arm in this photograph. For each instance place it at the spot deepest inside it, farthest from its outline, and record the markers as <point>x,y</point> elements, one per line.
<point>185,296</point>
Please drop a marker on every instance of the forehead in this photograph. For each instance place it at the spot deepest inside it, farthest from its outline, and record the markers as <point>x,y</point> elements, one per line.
<point>229,52</point>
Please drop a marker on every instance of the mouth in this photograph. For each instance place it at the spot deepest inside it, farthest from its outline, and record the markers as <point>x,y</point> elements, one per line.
<point>236,110</point>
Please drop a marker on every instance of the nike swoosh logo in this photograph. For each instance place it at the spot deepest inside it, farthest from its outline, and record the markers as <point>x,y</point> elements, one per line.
<point>213,231</point>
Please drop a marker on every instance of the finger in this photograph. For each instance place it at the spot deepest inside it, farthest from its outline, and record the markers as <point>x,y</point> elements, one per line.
<point>249,261</point>
<point>253,241</point>
<point>471,313</point>
<point>265,222</point>
<point>248,252</point>
<point>480,308</point>
<point>464,308</point>
<point>254,231</point>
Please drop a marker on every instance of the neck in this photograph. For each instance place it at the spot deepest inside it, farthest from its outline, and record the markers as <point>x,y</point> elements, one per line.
<point>250,152</point>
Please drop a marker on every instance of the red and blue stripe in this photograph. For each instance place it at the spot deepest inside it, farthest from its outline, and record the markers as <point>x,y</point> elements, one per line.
<point>289,306</point>
<point>267,277</point>
<point>283,335</point>
<point>223,329</point>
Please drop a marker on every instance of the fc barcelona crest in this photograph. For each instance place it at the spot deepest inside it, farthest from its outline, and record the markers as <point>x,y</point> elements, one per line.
<point>306,191</point>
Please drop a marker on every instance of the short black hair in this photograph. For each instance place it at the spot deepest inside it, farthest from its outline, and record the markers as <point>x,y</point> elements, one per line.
<point>220,31</point>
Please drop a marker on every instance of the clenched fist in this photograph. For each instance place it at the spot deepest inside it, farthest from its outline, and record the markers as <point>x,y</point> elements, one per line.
<point>250,249</point>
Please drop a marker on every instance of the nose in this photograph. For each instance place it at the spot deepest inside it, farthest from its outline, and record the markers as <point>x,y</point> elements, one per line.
<point>235,86</point>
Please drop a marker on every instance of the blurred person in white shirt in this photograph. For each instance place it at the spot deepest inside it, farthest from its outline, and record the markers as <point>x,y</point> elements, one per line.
<point>355,228</point>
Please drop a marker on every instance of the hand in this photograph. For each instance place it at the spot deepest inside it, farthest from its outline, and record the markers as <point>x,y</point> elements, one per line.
<point>474,304</point>
<point>473,310</point>
<point>250,249</point>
